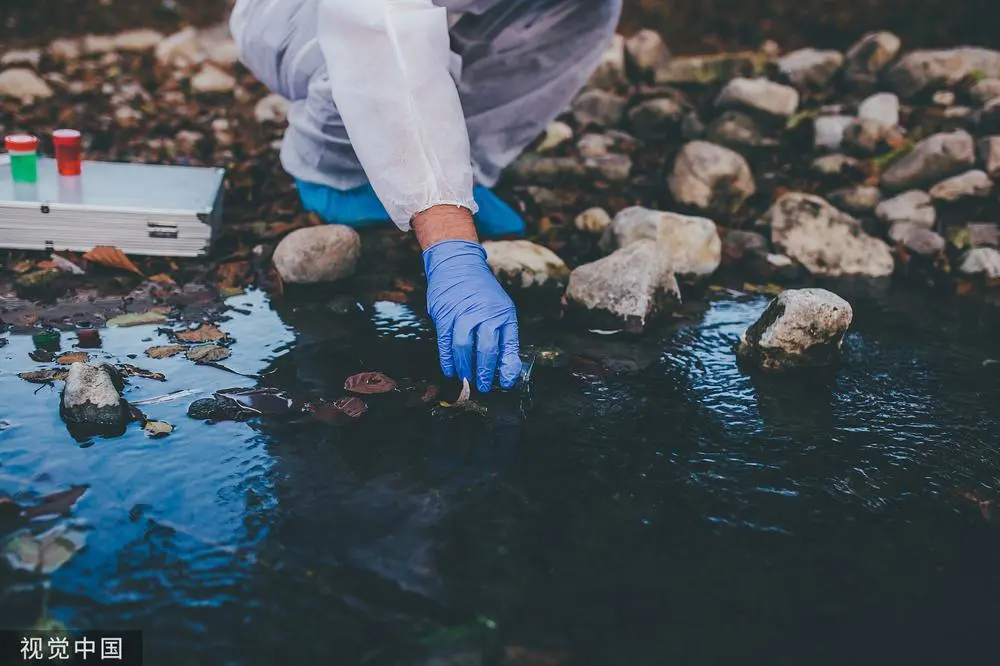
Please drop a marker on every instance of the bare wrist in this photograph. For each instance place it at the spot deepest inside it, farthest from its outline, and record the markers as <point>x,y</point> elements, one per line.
<point>444,222</point>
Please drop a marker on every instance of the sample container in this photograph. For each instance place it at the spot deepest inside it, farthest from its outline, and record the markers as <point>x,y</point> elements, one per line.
<point>23,151</point>
<point>68,151</point>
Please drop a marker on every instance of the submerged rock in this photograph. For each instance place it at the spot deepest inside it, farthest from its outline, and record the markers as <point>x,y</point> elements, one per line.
<point>923,243</point>
<point>801,328</point>
<point>810,68</point>
<point>139,40</point>
<point>824,240</point>
<point>919,71</point>
<point>689,245</point>
<point>971,184</point>
<point>23,84</point>
<point>936,157</point>
<point>592,221</point>
<point>521,264</point>
<point>711,177</point>
<point>984,261</point>
<point>626,290</point>
<point>868,56</point>
<point>92,397</point>
<point>914,207</point>
<point>29,57</point>
<point>759,94</point>
<point>318,254</point>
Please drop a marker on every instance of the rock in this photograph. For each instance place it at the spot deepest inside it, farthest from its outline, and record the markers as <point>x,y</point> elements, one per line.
<point>974,183</point>
<point>598,107</point>
<point>828,131</point>
<point>915,207</point>
<point>881,108</point>
<point>223,52</point>
<point>23,84</point>
<point>801,328</point>
<point>919,71</point>
<point>988,152</point>
<point>610,72</point>
<point>594,145</point>
<point>985,91</point>
<point>823,239</point>
<point>943,98</point>
<point>65,49</point>
<point>810,69</point>
<point>836,164</point>
<point>272,109</point>
<point>556,134</point>
<point>983,261</point>
<point>92,398</point>
<point>983,234</point>
<point>936,157</point>
<point>318,254</point>
<point>706,70</point>
<point>858,200</point>
<point>900,231</point>
<point>647,51</point>
<point>97,44</point>
<point>924,243</point>
<point>692,127</point>
<point>868,56</point>
<point>759,94</point>
<point>592,221</point>
<point>212,80</point>
<point>711,177</point>
<point>137,41</point>
<point>218,409</point>
<point>521,264</point>
<point>542,170</point>
<point>737,244</point>
<point>737,130</point>
<point>689,245</point>
<point>628,289</point>
<point>181,49</point>
<point>29,57</point>
<point>656,119</point>
<point>614,167</point>
<point>544,197</point>
<point>866,137</point>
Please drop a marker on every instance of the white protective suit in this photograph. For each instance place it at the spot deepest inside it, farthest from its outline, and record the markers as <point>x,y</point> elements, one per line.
<point>419,97</point>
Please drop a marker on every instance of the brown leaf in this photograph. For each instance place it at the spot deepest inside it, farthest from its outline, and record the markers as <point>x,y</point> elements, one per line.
<point>164,351</point>
<point>138,319</point>
<point>162,278</point>
<point>56,504</point>
<point>23,266</point>
<point>232,274</point>
<point>369,382</point>
<point>73,357</point>
<point>112,257</point>
<point>340,410</point>
<point>45,376</point>
<point>204,333</point>
<point>208,353</point>
<point>130,370</point>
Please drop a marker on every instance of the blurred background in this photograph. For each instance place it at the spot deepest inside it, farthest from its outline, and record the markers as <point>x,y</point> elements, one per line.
<point>690,26</point>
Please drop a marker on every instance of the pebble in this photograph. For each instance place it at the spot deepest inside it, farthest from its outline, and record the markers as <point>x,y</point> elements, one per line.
<point>29,57</point>
<point>610,72</point>
<point>985,91</point>
<point>324,253</point>
<point>824,240</point>
<point>627,290</point>
<point>836,164</point>
<point>692,126</point>
<point>868,56</point>
<point>737,130</point>
<point>801,328</point>
<point>882,108</point>
<point>914,206</point>
<point>739,243</point>
<point>92,397</point>
<point>943,98</point>
<point>810,69</point>
<point>706,70</point>
<point>918,71</point>
<point>94,44</point>
<point>23,84</point>
<point>212,80</point>
<point>690,245</point>
<point>592,221</point>
<point>521,264</point>
<point>594,145</point>
<point>272,109</point>
<point>828,131</point>
<point>613,167</point>
<point>599,107</point>
<point>867,136</point>
<point>936,157</point>
<point>656,118</point>
<point>556,134</point>
<point>181,49</point>
<point>974,183</point>
<point>223,52</point>
<point>711,177</point>
<point>988,153</point>
<point>981,261</point>
<point>544,197</point>
<point>65,49</point>
<point>137,41</point>
<point>647,51</point>
<point>983,234</point>
<point>759,94</point>
<point>924,243</point>
<point>544,170</point>
<point>859,200</point>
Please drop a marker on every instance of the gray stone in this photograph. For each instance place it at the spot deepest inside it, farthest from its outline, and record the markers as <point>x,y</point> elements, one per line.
<point>985,91</point>
<point>824,240</point>
<point>542,170</point>
<point>936,157</point>
<point>689,245</point>
<point>924,243</point>
<point>29,57</point>
<point>711,177</point>
<point>212,80</point>
<point>93,398</point>
<point>881,107</point>
<point>914,206</point>
<point>900,231</point>
<point>181,49</point>
<point>971,184</point>
<point>706,70</point>
<point>610,71</point>
<point>737,130</point>
<point>594,145</point>
<point>65,50</point>
<point>943,98</point>
<point>627,290</point>
<point>868,56</point>
<point>983,234</point>
<point>556,134</point>
<point>97,44</point>
<point>598,107</point>
<point>810,69</point>
<point>272,109</point>
<point>833,165</point>
<point>521,264</point>
<point>647,51</point>
<point>692,126</point>
<point>801,328</point>
<point>614,167</point>
<point>318,254</point>
<point>738,243</point>
<point>139,40</point>
<point>23,84</point>
<point>828,131</point>
<point>759,94</point>
<point>859,200</point>
<point>866,137</point>
<point>983,261</point>
<point>592,221</point>
<point>656,118</point>
<point>919,71</point>
<point>988,152</point>
<point>544,197</point>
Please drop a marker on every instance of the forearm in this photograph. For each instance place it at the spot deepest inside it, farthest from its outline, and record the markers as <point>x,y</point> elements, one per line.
<point>441,223</point>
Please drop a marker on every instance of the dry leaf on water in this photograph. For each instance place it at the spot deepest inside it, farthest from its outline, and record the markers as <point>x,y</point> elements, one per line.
<point>341,410</point>
<point>73,357</point>
<point>165,351</point>
<point>46,552</point>
<point>204,333</point>
<point>23,266</point>
<point>162,278</point>
<point>45,376</point>
<point>368,383</point>
<point>156,429</point>
<point>232,274</point>
<point>138,319</point>
<point>130,370</point>
<point>207,353</point>
<point>112,257</point>
<point>56,504</point>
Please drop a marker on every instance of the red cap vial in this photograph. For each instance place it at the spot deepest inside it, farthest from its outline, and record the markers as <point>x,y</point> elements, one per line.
<point>69,151</point>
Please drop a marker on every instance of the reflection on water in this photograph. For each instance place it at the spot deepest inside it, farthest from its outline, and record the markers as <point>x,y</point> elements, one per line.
<point>678,512</point>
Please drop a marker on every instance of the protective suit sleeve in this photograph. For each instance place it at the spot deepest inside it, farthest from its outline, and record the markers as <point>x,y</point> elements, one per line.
<point>388,63</point>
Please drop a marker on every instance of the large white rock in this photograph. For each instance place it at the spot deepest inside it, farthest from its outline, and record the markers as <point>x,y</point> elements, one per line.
<point>23,84</point>
<point>521,264</point>
<point>90,397</point>
<point>801,328</point>
<point>711,177</point>
<point>824,240</point>
<point>689,245</point>
<point>324,253</point>
<point>626,290</point>
<point>936,157</point>
<point>918,71</point>
<point>759,94</point>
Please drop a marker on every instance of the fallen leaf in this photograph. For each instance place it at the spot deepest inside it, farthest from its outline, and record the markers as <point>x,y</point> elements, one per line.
<point>73,357</point>
<point>229,292</point>
<point>43,553</point>
<point>232,274</point>
<point>56,504</point>
<point>137,319</point>
<point>341,410</point>
<point>130,370</point>
<point>204,333</point>
<point>155,429</point>
<point>64,264</point>
<point>162,278</point>
<point>165,351</point>
<point>208,353</point>
<point>368,383</point>
<point>45,376</point>
<point>23,266</point>
<point>768,289</point>
<point>112,257</point>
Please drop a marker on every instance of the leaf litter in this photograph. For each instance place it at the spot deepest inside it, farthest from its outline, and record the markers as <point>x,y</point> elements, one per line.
<point>368,383</point>
<point>138,319</point>
<point>73,357</point>
<point>45,376</point>
<point>204,333</point>
<point>46,552</point>
<point>165,351</point>
<point>112,257</point>
<point>208,353</point>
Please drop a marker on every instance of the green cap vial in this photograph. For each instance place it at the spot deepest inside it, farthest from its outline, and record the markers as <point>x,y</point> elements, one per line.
<point>23,151</point>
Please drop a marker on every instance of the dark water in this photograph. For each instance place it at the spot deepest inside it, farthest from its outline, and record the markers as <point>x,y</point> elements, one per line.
<point>681,512</point>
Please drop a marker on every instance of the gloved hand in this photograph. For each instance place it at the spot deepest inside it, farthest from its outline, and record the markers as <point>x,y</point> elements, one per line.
<point>476,320</point>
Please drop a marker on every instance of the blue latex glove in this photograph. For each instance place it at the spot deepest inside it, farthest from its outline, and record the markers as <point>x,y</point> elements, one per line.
<point>476,320</point>
<point>360,207</point>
